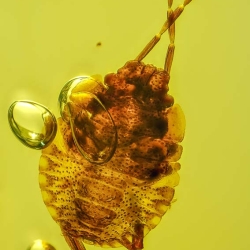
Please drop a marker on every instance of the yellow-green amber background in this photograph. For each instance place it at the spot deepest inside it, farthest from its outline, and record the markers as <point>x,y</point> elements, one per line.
<point>45,43</point>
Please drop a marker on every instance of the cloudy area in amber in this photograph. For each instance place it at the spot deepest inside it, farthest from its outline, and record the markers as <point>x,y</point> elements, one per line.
<point>46,43</point>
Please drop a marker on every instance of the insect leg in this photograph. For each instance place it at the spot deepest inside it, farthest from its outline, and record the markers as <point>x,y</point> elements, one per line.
<point>137,241</point>
<point>126,243</point>
<point>171,33</point>
<point>137,238</point>
<point>172,16</point>
<point>74,243</point>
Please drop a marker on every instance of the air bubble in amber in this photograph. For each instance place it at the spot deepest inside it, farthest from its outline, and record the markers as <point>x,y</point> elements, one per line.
<point>41,245</point>
<point>32,123</point>
<point>92,126</point>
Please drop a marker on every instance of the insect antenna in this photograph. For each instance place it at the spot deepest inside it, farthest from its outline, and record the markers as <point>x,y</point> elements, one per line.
<point>172,15</point>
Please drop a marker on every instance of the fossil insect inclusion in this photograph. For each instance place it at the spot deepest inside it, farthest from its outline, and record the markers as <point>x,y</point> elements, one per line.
<point>109,164</point>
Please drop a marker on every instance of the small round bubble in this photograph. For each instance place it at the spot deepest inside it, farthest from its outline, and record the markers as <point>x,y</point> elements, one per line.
<point>40,245</point>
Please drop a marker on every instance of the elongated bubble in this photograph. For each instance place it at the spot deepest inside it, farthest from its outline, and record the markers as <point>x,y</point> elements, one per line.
<point>92,126</point>
<point>32,123</point>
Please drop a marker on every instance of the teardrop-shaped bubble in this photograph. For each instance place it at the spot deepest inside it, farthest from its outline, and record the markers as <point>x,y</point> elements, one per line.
<point>32,123</point>
<point>92,126</point>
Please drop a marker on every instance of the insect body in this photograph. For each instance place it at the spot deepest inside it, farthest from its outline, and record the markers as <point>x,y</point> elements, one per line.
<point>109,175</point>
<point>118,202</point>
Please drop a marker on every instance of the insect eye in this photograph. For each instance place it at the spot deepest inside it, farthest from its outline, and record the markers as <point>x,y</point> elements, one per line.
<point>32,123</point>
<point>93,129</point>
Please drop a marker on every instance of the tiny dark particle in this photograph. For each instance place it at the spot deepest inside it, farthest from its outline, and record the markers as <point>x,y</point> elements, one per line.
<point>98,44</point>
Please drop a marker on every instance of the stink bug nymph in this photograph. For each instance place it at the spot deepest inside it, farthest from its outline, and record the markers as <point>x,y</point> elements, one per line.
<point>109,164</point>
